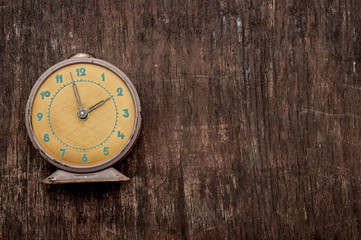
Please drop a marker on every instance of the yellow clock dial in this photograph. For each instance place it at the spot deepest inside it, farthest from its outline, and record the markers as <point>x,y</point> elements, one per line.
<point>83,114</point>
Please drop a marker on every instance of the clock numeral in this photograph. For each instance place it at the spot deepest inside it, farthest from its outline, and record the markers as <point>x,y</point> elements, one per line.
<point>80,72</point>
<point>106,151</point>
<point>120,91</point>
<point>121,135</point>
<point>126,113</point>
<point>46,137</point>
<point>45,94</point>
<point>63,150</point>
<point>84,158</point>
<point>103,77</point>
<point>39,115</point>
<point>59,78</point>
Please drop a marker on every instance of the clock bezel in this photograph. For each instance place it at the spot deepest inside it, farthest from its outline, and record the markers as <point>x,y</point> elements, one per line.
<point>118,156</point>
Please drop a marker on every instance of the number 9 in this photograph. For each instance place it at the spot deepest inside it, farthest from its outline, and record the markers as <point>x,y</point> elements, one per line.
<point>39,115</point>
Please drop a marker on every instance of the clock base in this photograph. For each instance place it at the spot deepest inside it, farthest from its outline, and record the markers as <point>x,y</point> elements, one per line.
<point>106,175</point>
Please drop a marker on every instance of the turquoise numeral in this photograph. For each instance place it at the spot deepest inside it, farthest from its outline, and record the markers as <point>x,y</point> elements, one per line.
<point>126,113</point>
<point>59,78</point>
<point>120,91</point>
<point>84,158</point>
<point>106,151</point>
<point>46,137</point>
<point>103,77</point>
<point>39,115</point>
<point>80,71</point>
<point>44,94</point>
<point>62,152</point>
<point>121,135</point>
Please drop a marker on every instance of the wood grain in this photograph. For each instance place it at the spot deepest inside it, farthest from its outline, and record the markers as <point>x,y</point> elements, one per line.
<point>251,119</point>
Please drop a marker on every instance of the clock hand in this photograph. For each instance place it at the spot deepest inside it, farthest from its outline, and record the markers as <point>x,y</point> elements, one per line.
<point>98,104</point>
<point>77,96</point>
<point>83,113</point>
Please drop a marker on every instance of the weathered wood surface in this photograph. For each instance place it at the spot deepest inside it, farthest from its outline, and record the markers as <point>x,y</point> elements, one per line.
<point>252,119</point>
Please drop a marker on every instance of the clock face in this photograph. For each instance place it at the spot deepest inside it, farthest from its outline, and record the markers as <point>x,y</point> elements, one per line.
<point>84,114</point>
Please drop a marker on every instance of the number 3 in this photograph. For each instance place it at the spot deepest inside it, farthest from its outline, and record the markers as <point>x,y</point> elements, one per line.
<point>126,113</point>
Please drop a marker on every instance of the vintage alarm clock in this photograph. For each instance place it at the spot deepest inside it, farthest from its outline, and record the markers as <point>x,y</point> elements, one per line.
<point>83,115</point>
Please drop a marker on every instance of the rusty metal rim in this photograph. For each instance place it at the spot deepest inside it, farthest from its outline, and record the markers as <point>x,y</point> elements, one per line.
<point>96,167</point>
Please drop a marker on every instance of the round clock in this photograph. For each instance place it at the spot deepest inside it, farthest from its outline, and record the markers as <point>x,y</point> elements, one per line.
<point>83,115</point>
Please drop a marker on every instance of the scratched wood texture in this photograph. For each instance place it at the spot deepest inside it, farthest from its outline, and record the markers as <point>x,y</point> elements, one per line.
<point>251,119</point>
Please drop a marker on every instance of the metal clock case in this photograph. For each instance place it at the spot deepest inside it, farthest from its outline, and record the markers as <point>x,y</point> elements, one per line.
<point>83,115</point>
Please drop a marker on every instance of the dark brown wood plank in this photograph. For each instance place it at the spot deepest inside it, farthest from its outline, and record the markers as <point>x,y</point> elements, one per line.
<point>251,119</point>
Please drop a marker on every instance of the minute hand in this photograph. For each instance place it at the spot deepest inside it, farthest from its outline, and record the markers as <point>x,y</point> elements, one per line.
<point>98,104</point>
<point>76,93</point>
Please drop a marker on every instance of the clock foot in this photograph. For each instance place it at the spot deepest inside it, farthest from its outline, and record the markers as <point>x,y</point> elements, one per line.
<point>106,175</point>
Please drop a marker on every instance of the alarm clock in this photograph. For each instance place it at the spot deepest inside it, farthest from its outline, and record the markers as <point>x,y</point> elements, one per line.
<point>83,115</point>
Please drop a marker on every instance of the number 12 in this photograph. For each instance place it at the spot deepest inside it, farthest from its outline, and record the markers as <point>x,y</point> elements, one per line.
<point>80,71</point>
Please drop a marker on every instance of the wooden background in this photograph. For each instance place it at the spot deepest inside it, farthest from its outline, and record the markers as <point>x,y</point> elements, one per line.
<point>251,119</point>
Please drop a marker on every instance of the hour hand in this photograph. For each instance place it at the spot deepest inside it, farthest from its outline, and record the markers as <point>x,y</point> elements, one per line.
<point>98,104</point>
<point>76,93</point>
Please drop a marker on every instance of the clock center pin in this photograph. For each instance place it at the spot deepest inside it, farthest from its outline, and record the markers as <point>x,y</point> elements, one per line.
<point>82,114</point>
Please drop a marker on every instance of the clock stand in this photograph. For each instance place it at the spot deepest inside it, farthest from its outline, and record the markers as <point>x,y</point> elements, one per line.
<point>106,175</point>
